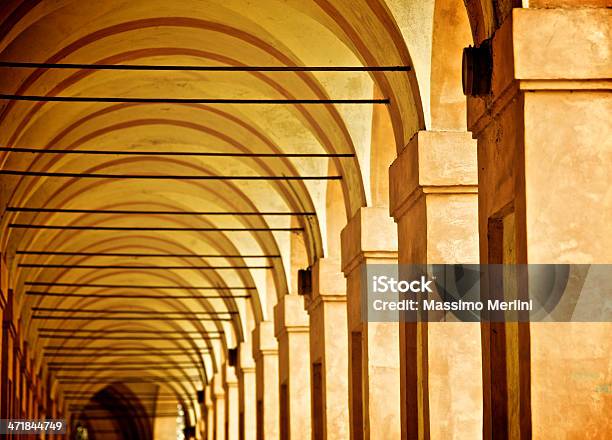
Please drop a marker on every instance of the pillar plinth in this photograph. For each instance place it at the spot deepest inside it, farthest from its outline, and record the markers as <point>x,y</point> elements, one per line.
<point>291,330</point>
<point>329,351</point>
<point>265,353</point>
<point>544,165</point>
<point>434,200</point>
<point>374,379</point>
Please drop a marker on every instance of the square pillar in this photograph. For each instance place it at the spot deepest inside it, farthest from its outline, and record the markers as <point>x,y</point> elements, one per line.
<point>219,406</point>
<point>544,160</point>
<point>232,414</point>
<point>201,425</point>
<point>292,331</point>
<point>434,200</point>
<point>329,351</point>
<point>7,360</point>
<point>265,353</point>
<point>210,412</point>
<point>374,376</point>
<point>248,392</point>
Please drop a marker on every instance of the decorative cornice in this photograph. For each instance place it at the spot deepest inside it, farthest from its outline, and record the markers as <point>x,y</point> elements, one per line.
<point>321,299</point>
<point>369,257</point>
<point>370,235</point>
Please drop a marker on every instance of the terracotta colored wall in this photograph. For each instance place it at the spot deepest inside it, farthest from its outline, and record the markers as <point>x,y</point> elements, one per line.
<point>544,151</point>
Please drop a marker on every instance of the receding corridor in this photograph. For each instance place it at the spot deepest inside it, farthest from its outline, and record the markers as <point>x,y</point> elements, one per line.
<point>189,191</point>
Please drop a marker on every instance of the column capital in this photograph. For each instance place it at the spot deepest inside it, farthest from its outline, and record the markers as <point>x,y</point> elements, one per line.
<point>248,370</point>
<point>371,235</point>
<point>545,49</point>
<point>217,385</point>
<point>4,282</point>
<point>245,356</point>
<point>208,396</point>
<point>540,42</point>
<point>328,283</point>
<point>264,341</point>
<point>8,318</point>
<point>229,376</point>
<point>290,316</point>
<point>433,162</point>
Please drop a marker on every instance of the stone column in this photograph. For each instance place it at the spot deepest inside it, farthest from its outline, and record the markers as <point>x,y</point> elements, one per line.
<point>434,200</point>
<point>18,374</point>
<point>52,402</point>
<point>42,399</point>
<point>291,330</point>
<point>35,394</point>
<point>200,428</point>
<point>545,167</point>
<point>7,365</point>
<point>4,340</point>
<point>28,398</point>
<point>374,377</point>
<point>248,392</point>
<point>210,412</point>
<point>329,351</point>
<point>265,353</point>
<point>232,414</point>
<point>219,406</point>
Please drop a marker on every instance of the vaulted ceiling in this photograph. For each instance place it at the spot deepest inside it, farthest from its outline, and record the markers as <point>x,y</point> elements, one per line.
<point>106,267</point>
